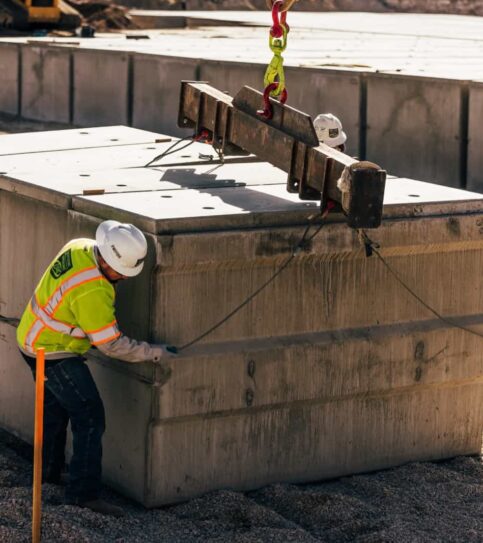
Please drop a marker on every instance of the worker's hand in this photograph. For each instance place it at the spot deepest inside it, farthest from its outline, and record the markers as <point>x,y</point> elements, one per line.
<point>164,352</point>
<point>287,4</point>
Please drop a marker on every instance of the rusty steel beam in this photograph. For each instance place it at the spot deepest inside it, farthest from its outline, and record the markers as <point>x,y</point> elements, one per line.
<point>289,142</point>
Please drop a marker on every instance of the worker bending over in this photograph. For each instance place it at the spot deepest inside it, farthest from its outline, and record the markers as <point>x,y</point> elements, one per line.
<point>72,309</point>
<point>329,131</point>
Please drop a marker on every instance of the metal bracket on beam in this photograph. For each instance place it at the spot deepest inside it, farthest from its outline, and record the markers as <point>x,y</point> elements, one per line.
<point>289,142</point>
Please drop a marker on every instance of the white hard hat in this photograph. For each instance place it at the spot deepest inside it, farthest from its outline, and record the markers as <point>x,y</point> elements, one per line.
<point>122,246</point>
<point>329,130</point>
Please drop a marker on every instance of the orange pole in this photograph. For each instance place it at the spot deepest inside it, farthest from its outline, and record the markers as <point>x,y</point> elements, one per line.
<point>38,443</point>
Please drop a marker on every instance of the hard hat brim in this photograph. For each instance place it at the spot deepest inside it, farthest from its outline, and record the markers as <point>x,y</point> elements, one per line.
<point>339,140</point>
<point>101,234</point>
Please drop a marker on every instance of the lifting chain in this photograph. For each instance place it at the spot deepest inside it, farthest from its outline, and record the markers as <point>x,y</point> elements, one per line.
<point>274,79</point>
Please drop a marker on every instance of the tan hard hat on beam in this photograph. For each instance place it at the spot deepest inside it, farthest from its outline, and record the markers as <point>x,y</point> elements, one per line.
<point>287,4</point>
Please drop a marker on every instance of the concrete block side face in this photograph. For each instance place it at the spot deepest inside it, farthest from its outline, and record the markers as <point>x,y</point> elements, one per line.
<point>317,91</point>
<point>414,128</point>
<point>45,84</point>
<point>156,90</point>
<point>301,442</point>
<point>230,77</point>
<point>9,86</point>
<point>31,234</point>
<point>100,88</point>
<point>127,403</point>
<point>475,137</point>
<point>16,387</point>
<point>339,367</point>
<point>311,296</point>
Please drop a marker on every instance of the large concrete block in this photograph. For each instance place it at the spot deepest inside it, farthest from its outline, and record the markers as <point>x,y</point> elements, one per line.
<point>230,77</point>
<point>46,84</point>
<point>9,85</point>
<point>127,402</point>
<point>333,369</point>
<point>17,386</point>
<point>157,82</point>
<point>475,138</point>
<point>317,91</point>
<point>101,87</point>
<point>414,127</point>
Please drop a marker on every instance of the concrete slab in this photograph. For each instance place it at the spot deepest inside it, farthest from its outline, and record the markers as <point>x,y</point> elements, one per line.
<point>414,125</point>
<point>156,91</point>
<point>475,138</point>
<point>101,88</point>
<point>9,68</point>
<point>66,140</point>
<point>46,84</point>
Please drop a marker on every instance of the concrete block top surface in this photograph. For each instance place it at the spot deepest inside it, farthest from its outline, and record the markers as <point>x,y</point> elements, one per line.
<point>82,138</point>
<point>416,44</point>
<point>104,172</point>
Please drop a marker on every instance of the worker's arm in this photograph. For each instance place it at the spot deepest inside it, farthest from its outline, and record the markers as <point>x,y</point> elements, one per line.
<point>95,314</point>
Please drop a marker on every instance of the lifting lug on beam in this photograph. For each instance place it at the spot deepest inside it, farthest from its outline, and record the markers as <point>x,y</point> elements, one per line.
<point>289,142</point>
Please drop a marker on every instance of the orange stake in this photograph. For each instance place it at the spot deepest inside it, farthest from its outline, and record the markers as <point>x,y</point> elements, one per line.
<point>38,443</point>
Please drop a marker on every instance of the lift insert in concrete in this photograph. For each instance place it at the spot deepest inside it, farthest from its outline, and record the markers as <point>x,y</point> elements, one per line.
<point>333,369</point>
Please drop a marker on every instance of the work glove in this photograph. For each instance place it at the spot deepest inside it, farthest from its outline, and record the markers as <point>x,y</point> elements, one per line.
<point>164,352</point>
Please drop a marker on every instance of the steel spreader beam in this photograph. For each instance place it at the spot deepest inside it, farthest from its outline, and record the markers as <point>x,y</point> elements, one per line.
<point>289,142</point>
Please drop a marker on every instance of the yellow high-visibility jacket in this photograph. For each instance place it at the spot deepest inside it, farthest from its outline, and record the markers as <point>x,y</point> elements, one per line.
<point>73,308</point>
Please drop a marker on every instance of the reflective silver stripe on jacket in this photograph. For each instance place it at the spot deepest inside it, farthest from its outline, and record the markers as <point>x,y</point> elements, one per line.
<point>53,324</point>
<point>75,280</point>
<point>104,335</point>
<point>32,334</point>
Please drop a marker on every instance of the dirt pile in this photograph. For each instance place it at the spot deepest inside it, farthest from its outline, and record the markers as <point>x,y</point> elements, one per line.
<point>103,15</point>
<point>460,7</point>
<point>419,502</point>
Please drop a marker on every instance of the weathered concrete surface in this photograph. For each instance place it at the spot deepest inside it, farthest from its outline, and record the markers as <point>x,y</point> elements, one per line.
<point>156,91</point>
<point>45,84</point>
<point>17,397</point>
<point>333,369</point>
<point>415,125</point>
<point>475,138</point>
<point>9,68</point>
<point>330,91</point>
<point>328,60</point>
<point>101,89</point>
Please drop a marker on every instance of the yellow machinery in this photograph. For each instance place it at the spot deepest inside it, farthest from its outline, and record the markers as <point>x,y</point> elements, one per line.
<point>25,14</point>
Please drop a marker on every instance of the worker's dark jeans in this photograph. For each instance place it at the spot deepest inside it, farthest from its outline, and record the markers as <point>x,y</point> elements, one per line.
<point>71,394</point>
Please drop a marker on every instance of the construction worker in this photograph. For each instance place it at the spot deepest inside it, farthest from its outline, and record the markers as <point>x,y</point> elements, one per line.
<point>329,131</point>
<point>72,309</point>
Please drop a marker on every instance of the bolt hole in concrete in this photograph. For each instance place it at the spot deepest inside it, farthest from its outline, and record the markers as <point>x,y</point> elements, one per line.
<point>121,185</point>
<point>84,133</point>
<point>150,148</point>
<point>208,207</point>
<point>413,195</point>
<point>113,139</point>
<point>84,175</point>
<point>166,196</point>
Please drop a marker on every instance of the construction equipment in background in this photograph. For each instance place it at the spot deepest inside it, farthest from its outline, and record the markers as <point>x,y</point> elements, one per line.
<point>288,141</point>
<point>28,14</point>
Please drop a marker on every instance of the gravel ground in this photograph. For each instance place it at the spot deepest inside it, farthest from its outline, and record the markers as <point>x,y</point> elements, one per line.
<point>418,502</point>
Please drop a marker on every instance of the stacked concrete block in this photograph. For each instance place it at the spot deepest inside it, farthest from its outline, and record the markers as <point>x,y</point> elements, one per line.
<point>45,88</point>
<point>101,87</point>
<point>157,82</point>
<point>415,124</point>
<point>333,369</point>
<point>475,138</point>
<point>10,77</point>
